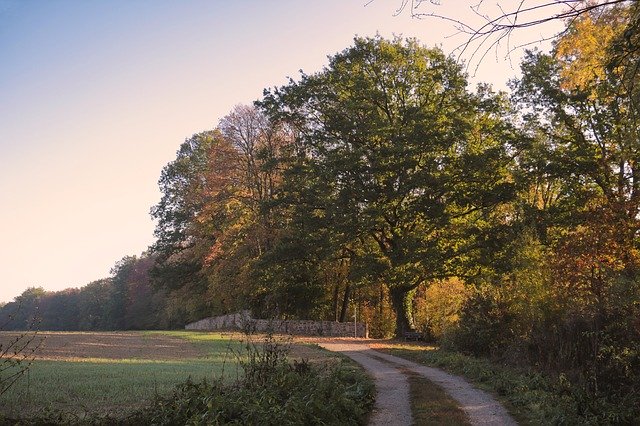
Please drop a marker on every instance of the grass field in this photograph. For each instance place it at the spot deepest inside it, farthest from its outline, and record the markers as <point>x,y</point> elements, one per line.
<point>116,372</point>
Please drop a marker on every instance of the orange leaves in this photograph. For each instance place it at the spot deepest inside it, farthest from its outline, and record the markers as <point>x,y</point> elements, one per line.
<point>588,258</point>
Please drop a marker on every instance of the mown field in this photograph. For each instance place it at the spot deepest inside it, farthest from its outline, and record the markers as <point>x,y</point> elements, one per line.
<point>117,372</point>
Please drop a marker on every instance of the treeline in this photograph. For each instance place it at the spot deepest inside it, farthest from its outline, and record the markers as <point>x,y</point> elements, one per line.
<point>125,301</point>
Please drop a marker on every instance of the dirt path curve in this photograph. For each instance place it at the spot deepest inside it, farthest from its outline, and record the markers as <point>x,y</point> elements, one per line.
<point>392,401</point>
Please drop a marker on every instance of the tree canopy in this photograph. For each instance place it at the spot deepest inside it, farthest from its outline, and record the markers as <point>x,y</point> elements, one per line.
<point>402,164</point>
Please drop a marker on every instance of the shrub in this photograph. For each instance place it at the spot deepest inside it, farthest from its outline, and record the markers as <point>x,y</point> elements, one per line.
<point>271,392</point>
<point>483,328</point>
<point>438,307</point>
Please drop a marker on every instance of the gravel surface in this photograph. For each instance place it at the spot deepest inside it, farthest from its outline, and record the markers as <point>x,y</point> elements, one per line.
<point>392,401</point>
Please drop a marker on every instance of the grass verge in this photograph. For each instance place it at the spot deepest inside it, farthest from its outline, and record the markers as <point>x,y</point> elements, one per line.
<point>531,397</point>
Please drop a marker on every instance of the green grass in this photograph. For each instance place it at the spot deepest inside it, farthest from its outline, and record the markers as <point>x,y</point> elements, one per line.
<point>272,392</point>
<point>520,394</point>
<point>101,385</point>
<point>79,385</point>
<point>215,344</point>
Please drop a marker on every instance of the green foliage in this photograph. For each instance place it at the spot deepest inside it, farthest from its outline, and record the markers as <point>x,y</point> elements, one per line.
<point>536,318</point>
<point>432,406</point>
<point>553,299</point>
<point>484,326</point>
<point>399,164</point>
<point>289,280</point>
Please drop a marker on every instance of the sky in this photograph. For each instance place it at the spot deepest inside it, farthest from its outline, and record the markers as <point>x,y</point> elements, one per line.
<point>97,96</point>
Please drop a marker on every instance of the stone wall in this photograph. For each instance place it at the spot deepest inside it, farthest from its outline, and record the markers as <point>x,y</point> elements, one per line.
<point>239,321</point>
<point>242,321</point>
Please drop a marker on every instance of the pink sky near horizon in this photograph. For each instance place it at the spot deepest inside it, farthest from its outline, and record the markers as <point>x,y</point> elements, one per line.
<point>96,97</point>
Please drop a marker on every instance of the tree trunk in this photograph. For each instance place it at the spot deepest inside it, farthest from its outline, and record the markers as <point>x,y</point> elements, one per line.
<point>334,304</point>
<point>345,303</point>
<point>402,302</point>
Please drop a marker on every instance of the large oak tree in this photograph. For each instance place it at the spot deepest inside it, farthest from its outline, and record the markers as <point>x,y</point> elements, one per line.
<point>400,159</point>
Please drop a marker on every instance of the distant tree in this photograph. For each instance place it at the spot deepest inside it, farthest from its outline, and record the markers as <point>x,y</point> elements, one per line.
<point>132,304</point>
<point>94,303</point>
<point>121,272</point>
<point>59,310</point>
<point>24,310</point>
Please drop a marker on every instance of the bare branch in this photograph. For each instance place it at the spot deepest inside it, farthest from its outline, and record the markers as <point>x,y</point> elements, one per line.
<point>495,30</point>
<point>17,356</point>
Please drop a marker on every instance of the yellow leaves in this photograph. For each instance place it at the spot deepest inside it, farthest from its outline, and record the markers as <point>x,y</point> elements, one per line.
<point>583,50</point>
<point>438,306</point>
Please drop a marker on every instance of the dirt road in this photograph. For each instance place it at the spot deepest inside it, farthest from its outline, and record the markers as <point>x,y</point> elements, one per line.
<point>392,402</point>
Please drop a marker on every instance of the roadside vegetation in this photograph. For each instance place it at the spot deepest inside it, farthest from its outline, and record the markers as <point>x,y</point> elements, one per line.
<point>271,391</point>
<point>17,352</point>
<point>532,397</point>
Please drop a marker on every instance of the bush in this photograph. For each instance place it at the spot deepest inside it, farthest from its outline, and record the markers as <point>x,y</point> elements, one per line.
<point>438,307</point>
<point>483,328</point>
<point>271,392</point>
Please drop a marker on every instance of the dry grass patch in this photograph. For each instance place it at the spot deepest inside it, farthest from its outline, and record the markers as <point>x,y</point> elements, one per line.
<point>63,346</point>
<point>430,404</point>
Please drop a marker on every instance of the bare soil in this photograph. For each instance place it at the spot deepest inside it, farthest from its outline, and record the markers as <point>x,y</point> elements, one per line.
<point>109,345</point>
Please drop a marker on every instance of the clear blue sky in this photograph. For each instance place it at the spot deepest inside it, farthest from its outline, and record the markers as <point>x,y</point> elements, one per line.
<point>96,97</point>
